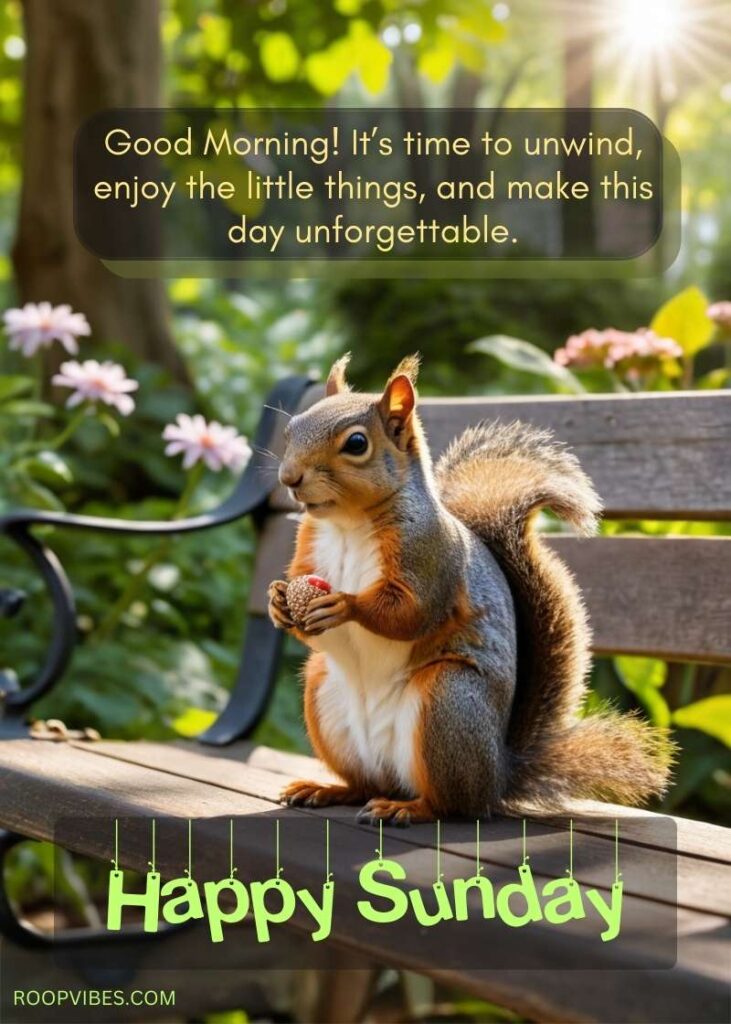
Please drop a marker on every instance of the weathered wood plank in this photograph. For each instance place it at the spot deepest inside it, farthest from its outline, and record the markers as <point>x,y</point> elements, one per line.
<point>661,596</point>
<point>664,596</point>
<point>655,456</point>
<point>694,838</point>
<point>703,886</point>
<point>39,784</point>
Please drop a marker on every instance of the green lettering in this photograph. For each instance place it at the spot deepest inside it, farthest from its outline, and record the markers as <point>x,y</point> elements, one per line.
<point>461,888</point>
<point>611,913</point>
<point>189,901</point>
<point>118,898</point>
<point>399,899</point>
<point>322,914</point>
<point>217,916</point>
<point>569,895</point>
<point>525,888</point>
<point>263,916</point>
<point>443,911</point>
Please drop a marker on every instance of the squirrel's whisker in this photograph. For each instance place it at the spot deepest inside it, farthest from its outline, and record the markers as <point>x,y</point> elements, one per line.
<point>282,412</point>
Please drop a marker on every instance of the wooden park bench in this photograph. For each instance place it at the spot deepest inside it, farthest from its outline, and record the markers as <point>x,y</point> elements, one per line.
<point>655,457</point>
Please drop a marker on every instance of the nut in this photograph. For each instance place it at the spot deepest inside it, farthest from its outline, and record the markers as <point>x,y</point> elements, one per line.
<point>300,591</point>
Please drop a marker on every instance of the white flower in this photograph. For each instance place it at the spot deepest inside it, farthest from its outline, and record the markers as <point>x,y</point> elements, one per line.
<point>39,325</point>
<point>92,381</point>
<point>216,445</point>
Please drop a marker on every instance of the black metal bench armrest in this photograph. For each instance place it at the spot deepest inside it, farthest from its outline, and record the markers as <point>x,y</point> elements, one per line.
<point>249,496</point>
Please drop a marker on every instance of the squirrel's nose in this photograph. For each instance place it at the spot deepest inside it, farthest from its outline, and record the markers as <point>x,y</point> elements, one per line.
<point>290,475</point>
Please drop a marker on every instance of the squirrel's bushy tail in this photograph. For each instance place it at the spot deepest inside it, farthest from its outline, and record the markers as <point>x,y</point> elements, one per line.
<point>495,478</point>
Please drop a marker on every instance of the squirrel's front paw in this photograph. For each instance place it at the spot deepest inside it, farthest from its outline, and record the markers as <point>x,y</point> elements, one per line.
<point>327,612</point>
<point>278,608</point>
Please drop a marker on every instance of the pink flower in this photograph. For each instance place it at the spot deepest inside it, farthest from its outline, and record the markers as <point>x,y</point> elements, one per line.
<point>216,445</point>
<point>92,381</point>
<point>720,313</point>
<point>39,325</point>
<point>627,352</point>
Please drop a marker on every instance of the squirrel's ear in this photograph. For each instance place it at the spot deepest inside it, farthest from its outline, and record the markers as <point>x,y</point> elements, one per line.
<point>397,404</point>
<point>336,382</point>
<point>409,367</point>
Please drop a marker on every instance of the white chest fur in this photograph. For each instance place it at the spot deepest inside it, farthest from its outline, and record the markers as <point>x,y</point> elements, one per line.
<point>366,707</point>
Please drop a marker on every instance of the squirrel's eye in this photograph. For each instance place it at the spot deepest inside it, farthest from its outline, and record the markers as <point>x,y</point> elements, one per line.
<point>357,444</point>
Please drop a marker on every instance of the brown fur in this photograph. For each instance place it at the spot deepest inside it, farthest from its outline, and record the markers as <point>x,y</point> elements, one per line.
<point>435,645</point>
<point>488,737</point>
<point>495,478</point>
<point>389,607</point>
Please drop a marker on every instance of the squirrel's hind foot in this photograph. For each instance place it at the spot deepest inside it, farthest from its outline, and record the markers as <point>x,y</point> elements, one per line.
<point>401,813</point>
<point>303,793</point>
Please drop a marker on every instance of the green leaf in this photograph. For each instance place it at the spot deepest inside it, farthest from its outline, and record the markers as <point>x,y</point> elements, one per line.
<point>10,387</point>
<point>228,1017</point>
<point>216,35</point>
<point>193,721</point>
<point>645,677</point>
<point>521,355</point>
<point>26,407</point>
<point>640,672</point>
<point>27,492</point>
<point>713,380</point>
<point>684,319</point>
<point>436,62</point>
<point>47,468</point>
<point>109,422</point>
<point>329,69</point>
<point>372,57</point>
<point>599,380</point>
<point>279,56</point>
<point>711,715</point>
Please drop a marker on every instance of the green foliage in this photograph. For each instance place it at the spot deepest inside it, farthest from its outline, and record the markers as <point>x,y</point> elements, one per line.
<point>227,1017</point>
<point>711,716</point>
<point>683,318</point>
<point>719,271</point>
<point>645,678</point>
<point>521,355</point>
<point>300,54</point>
<point>273,54</point>
<point>389,319</point>
<point>167,665</point>
<point>240,343</point>
<point>27,476</point>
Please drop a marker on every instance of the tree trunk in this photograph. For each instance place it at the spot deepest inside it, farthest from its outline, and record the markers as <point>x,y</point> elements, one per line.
<point>83,57</point>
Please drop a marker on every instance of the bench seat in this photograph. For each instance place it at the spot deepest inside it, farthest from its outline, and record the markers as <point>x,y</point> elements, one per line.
<point>42,782</point>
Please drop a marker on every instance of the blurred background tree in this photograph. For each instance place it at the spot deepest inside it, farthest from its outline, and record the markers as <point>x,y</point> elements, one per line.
<point>82,58</point>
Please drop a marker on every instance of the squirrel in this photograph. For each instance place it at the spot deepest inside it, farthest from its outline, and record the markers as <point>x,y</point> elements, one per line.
<point>448,663</point>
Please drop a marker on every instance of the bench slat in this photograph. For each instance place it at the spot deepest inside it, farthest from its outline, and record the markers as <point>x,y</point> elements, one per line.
<point>694,838</point>
<point>660,596</point>
<point>663,596</point>
<point>40,783</point>
<point>654,456</point>
<point>700,885</point>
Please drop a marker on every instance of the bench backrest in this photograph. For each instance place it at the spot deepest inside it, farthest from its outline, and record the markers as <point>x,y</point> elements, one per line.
<point>651,457</point>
